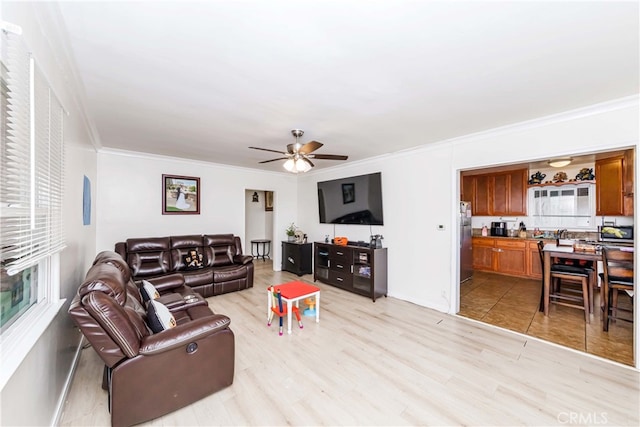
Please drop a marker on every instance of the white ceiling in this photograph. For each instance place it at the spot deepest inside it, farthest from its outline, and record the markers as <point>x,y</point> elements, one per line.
<point>205,80</point>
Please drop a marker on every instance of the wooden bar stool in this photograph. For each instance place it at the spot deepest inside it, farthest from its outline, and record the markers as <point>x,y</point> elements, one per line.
<point>581,298</point>
<point>617,275</point>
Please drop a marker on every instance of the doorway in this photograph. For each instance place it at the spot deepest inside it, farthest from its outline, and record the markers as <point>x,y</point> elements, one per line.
<point>258,223</point>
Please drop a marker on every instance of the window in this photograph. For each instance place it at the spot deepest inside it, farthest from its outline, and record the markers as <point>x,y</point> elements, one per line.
<point>565,206</point>
<point>31,189</point>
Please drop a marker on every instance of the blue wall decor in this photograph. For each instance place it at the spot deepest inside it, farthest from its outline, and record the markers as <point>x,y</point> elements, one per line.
<point>86,202</point>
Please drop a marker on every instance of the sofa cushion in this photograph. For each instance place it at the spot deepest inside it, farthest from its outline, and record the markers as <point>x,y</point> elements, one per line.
<point>198,277</point>
<point>110,257</point>
<point>159,317</point>
<point>232,272</point>
<point>186,242</point>
<point>149,256</point>
<point>107,279</point>
<point>148,291</point>
<point>219,249</point>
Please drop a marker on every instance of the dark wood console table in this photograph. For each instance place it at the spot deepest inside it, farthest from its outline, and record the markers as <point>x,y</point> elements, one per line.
<point>356,269</point>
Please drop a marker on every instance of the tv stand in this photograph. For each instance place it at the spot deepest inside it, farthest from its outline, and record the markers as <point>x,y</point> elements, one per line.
<point>355,269</point>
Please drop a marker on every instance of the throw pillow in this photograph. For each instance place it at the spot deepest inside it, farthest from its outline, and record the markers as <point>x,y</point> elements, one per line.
<point>148,291</point>
<point>192,260</point>
<point>159,317</point>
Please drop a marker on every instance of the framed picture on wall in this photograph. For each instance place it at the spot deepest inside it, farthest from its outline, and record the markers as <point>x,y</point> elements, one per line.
<point>268,201</point>
<point>180,195</point>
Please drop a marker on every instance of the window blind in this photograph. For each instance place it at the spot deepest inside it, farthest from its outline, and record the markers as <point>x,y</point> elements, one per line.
<point>31,164</point>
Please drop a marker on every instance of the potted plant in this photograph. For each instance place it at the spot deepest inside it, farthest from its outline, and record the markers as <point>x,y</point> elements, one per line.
<point>291,232</point>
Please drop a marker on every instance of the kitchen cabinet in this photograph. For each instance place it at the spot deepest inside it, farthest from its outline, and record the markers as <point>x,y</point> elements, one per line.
<point>501,255</point>
<point>296,258</point>
<point>483,253</point>
<point>467,191</point>
<point>511,257</point>
<point>498,193</point>
<point>355,269</point>
<point>481,201</point>
<point>614,185</point>
<point>609,191</point>
<point>628,174</point>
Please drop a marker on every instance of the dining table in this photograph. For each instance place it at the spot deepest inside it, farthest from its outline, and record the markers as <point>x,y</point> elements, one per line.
<point>552,251</point>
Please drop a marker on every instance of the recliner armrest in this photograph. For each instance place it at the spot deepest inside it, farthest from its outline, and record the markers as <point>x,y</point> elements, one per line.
<point>242,259</point>
<point>168,282</point>
<point>183,334</point>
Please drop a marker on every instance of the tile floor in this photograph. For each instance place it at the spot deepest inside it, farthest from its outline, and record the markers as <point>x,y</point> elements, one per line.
<point>512,303</point>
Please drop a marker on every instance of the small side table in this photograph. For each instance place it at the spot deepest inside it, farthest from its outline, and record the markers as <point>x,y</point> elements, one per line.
<point>296,257</point>
<point>263,244</point>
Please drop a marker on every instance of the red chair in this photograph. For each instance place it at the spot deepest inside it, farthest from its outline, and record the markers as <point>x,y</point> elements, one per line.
<point>280,310</point>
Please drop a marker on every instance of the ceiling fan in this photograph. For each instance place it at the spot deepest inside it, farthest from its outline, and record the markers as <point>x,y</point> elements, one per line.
<point>298,156</point>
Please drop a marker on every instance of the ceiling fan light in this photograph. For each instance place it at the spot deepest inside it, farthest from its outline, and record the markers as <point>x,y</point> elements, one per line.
<point>302,166</point>
<point>289,165</point>
<point>560,163</point>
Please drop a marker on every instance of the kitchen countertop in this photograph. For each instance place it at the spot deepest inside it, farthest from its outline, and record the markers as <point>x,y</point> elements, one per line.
<point>514,238</point>
<point>553,239</point>
<point>574,235</point>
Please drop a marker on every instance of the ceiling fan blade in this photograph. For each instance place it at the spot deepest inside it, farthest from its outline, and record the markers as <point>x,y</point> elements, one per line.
<point>291,148</point>
<point>309,147</point>
<point>306,159</point>
<point>274,160</point>
<point>267,149</point>
<point>329,156</point>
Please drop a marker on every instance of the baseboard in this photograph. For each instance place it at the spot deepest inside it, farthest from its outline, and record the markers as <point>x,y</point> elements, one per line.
<point>57,417</point>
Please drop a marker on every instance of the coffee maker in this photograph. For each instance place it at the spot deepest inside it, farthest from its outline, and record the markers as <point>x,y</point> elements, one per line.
<point>376,241</point>
<point>499,228</point>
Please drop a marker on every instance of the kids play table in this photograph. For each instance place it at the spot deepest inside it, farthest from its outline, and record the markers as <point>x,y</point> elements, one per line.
<point>293,292</point>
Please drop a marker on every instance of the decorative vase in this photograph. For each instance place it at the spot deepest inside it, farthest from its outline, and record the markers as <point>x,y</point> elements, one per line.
<point>291,238</point>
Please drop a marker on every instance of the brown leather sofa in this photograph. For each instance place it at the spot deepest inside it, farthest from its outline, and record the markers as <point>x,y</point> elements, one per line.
<point>211,264</point>
<point>150,374</point>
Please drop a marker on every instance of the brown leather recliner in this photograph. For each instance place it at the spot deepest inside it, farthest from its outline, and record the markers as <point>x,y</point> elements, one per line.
<point>150,374</point>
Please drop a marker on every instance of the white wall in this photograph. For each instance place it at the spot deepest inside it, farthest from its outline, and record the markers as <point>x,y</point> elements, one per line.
<point>421,187</point>
<point>130,189</point>
<point>33,394</point>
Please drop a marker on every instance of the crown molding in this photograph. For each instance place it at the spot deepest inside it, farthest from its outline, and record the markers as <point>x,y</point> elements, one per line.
<point>185,160</point>
<point>632,101</point>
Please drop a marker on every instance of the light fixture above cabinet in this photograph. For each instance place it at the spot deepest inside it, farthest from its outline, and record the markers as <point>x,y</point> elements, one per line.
<point>560,163</point>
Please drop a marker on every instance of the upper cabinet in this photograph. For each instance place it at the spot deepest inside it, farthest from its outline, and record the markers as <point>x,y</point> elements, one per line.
<point>614,185</point>
<point>498,193</point>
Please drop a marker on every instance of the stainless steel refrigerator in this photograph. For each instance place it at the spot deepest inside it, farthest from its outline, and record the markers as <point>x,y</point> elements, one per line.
<point>466,250</point>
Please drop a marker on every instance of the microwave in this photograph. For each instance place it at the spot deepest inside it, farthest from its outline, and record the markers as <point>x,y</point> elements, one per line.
<point>616,233</point>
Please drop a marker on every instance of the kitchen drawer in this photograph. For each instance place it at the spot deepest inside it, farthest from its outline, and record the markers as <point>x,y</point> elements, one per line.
<point>511,244</point>
<point>342,279</point>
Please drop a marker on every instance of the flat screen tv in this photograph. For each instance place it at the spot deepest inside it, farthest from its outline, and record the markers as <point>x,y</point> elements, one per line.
<point>352,200</point>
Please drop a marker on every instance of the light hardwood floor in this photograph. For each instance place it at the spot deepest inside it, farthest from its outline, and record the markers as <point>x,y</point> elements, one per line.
<point>512,303</point>
<point>385,363</point>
